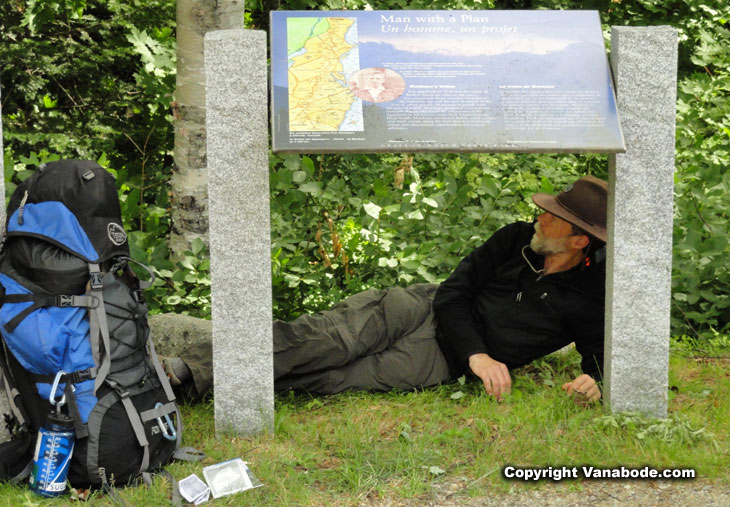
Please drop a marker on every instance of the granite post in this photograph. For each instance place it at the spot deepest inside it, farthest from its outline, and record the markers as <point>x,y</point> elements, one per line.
<point>639,260</point>
<point>240,242</point>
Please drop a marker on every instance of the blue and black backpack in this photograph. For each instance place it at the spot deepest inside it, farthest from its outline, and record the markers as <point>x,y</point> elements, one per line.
<point>73,312</point>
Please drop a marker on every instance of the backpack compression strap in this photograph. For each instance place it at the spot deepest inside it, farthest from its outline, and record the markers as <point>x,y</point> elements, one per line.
<point>98,326</point>
<point>160,370</point>
<point>40,301</point>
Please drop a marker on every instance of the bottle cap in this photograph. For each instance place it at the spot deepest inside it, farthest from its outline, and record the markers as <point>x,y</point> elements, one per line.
<point>60,419</point>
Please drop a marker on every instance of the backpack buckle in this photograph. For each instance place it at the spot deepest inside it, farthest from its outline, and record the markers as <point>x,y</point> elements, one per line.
<point>80,376</point>
<point>95,281</point>
<point>65,300</point>
<point>118,389</point>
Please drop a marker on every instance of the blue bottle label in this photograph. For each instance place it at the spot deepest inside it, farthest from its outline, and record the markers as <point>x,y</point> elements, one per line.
<point>51,461</point>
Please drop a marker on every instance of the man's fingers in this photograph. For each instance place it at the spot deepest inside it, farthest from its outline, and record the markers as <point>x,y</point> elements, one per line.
<point>506,383</point>
<point>496,385</point>
<point>493,388</point>
<point>593,393</point>
<point>584,389</point>
<point>583,383</point>
<point>494,374</point>
<point>501,382</point>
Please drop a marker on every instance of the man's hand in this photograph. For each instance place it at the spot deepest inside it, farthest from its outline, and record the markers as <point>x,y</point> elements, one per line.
<point>583,389</point>
<point>493,373</point>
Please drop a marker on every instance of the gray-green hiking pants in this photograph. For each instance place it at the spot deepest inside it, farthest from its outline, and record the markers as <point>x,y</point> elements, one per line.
<point>375,340</point>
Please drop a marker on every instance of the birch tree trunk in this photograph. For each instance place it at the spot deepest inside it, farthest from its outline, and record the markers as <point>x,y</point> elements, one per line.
<point>2,181</point>
<point>189,182</point>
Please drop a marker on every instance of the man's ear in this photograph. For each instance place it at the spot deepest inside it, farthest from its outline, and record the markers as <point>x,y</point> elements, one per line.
<point>579,241</point>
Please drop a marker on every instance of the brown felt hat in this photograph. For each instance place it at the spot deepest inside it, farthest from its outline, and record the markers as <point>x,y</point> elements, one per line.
<point>582,203</point>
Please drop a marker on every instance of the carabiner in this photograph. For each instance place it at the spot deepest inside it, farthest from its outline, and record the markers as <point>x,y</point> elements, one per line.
<point>172,434</point>
<point>52,396</point>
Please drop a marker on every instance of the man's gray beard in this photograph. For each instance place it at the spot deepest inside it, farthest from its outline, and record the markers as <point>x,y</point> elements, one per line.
<point>547,246</point>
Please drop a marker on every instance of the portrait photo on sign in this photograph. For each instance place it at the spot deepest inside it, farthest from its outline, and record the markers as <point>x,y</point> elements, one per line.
<point>377,84</point>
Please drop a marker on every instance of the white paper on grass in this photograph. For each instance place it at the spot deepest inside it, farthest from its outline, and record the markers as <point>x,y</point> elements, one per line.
<point>230,477</point>
<point>194,490</point>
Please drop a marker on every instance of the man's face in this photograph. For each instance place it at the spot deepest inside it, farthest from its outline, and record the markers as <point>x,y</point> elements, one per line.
<point>375,80</point>
<point>551,235</point>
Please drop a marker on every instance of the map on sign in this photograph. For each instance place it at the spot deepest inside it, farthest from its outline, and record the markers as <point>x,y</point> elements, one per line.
<point>322,52</point>
<point>379,81</point>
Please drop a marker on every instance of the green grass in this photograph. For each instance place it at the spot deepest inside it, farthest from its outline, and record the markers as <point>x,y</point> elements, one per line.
<point>419,446</point>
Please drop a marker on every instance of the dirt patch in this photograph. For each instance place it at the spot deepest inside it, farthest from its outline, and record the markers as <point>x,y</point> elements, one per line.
<point>635,493</point>
<point>715,361</point>
<point>594,493</point>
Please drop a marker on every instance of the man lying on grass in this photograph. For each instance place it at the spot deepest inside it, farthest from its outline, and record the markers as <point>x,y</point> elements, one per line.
<point>528,291</point>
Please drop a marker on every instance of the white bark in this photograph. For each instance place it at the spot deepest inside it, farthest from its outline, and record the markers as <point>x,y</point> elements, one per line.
<point>2,169</point>
<point>189,183</point>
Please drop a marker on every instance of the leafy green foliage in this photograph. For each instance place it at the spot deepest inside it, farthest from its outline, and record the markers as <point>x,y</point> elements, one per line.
<point>675,429</point>
<point>73,83</point>
<point>182,287</point>
<point>701,303</point>
<point>82,81</point>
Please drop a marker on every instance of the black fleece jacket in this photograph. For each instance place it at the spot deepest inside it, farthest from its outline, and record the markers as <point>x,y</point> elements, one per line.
<point>496,304</point>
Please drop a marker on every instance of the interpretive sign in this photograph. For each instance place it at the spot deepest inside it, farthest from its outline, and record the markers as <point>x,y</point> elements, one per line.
<point>380,81</point>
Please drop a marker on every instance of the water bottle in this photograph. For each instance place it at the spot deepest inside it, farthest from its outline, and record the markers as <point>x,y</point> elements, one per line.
<point>53,450</point>
<point>53,455</point>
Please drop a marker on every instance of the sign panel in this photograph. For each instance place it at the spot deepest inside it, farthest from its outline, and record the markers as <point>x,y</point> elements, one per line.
<point>394,81</point>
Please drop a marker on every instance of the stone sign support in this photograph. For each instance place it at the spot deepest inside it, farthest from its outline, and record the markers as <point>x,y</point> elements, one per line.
<point>641,183</point>
<point>240,234</point>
